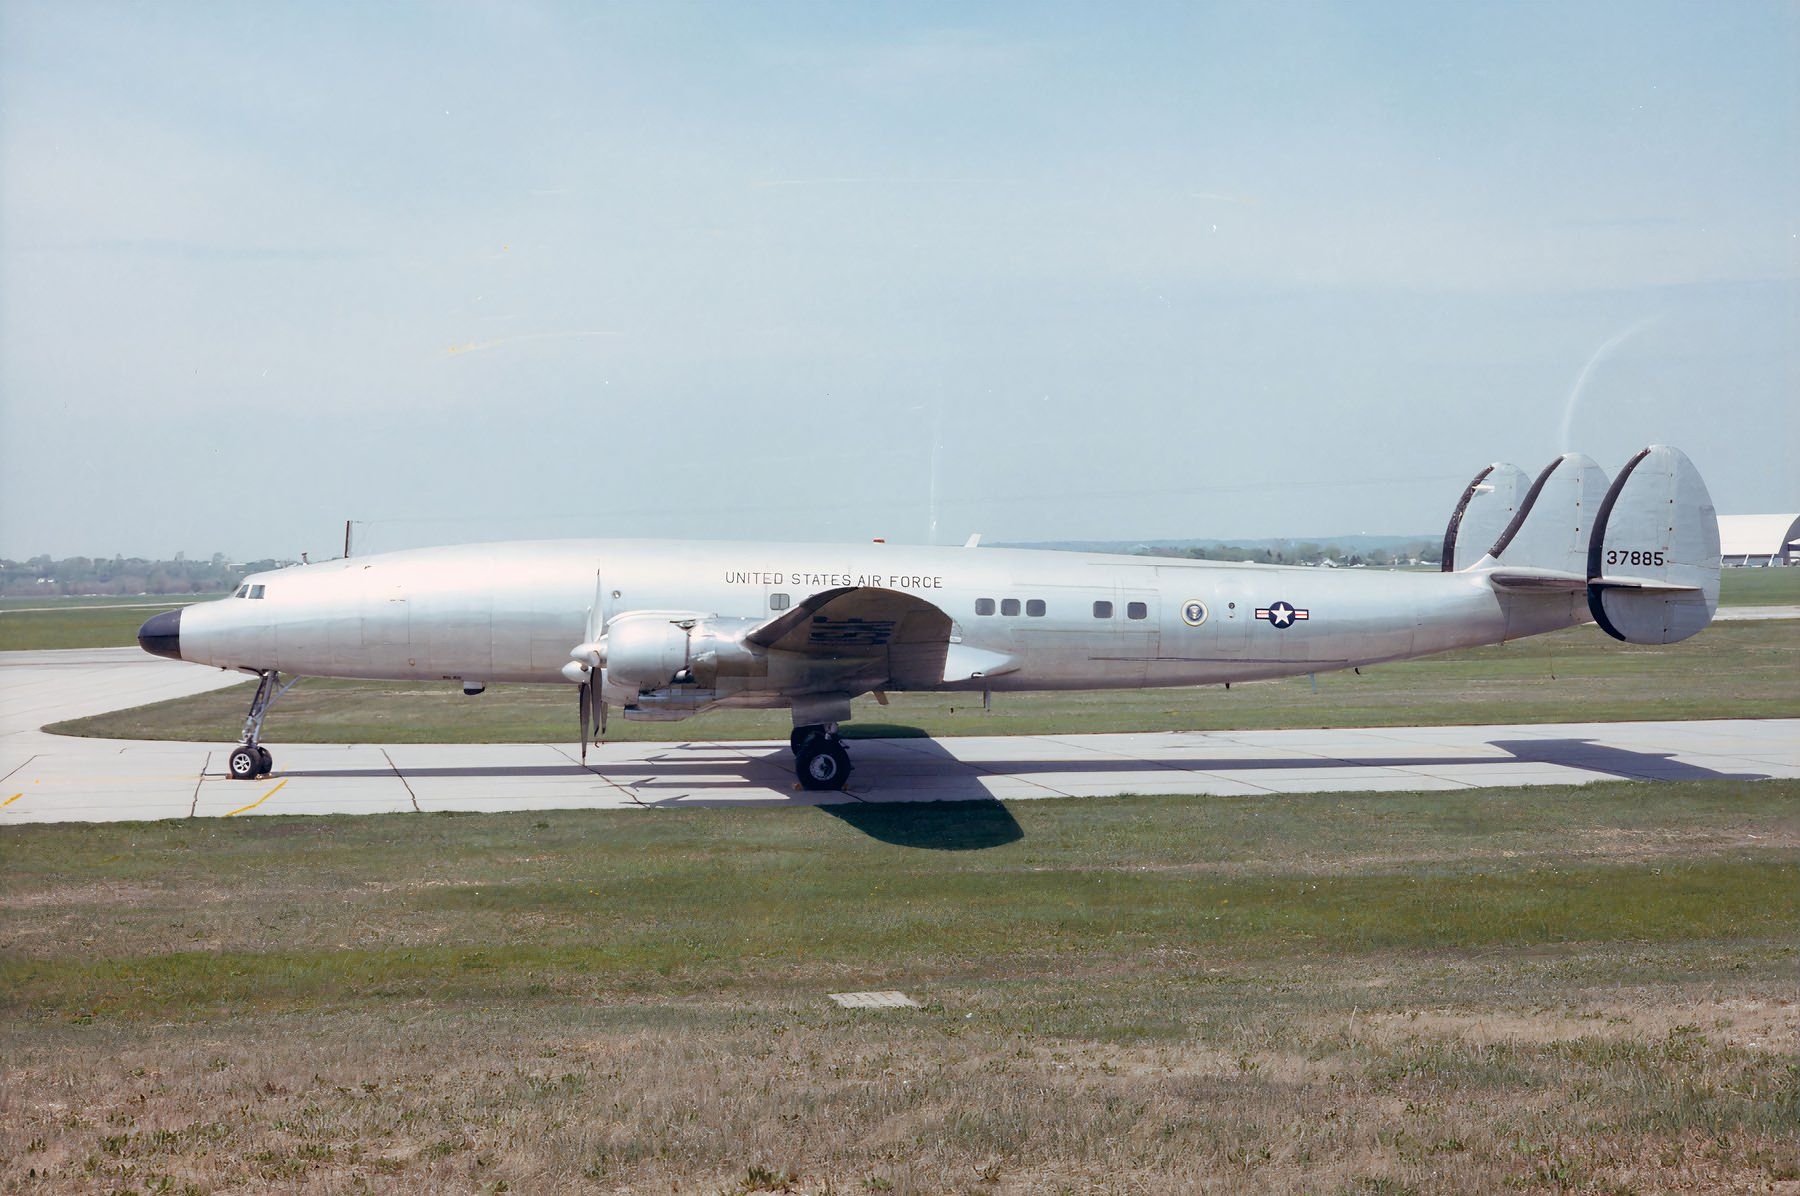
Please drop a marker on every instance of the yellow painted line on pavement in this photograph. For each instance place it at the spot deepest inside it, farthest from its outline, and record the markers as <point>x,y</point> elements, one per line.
<point>9,801</point>
<point>259,801</point>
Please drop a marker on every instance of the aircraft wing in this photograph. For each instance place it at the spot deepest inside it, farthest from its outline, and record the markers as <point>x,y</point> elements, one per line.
<point>877,636</point>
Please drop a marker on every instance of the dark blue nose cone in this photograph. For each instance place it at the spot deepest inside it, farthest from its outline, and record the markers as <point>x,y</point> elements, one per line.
<point>161,635</point>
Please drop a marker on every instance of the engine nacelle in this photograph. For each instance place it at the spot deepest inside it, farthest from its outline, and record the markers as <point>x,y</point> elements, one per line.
<point>646,649</point>
<point>717,652</point>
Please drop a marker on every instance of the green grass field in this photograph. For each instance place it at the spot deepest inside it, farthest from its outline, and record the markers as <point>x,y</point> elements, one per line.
<point>1759,587</point>
<point>83,602</point>
<point>1533,989</point>
<point>38,623</point>
<point>1733,670</point>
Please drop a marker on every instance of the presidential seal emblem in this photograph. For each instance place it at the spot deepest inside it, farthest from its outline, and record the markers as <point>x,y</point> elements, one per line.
<point>1193,612</point>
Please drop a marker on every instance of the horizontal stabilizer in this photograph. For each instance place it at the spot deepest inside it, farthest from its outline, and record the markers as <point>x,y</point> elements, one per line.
<point>1644,583</point>
<point>1550,581</point>
<point>1543,581</point>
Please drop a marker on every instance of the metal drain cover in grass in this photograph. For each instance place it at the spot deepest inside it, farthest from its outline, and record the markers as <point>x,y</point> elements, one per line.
<point>888,1000</point>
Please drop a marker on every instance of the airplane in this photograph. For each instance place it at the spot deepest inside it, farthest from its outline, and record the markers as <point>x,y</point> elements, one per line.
<point>665,630</point>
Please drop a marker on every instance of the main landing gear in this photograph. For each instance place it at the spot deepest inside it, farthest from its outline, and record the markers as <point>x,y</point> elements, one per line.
<point>250,759</point>
<point>820,761</point>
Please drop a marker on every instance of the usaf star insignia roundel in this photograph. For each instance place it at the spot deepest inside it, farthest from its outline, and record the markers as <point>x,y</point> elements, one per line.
<point>1282,614</point>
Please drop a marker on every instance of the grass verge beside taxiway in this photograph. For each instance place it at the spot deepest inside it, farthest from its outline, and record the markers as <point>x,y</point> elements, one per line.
<point>1533,988</point>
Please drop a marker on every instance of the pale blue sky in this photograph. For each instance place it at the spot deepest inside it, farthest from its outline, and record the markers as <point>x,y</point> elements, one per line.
<point>696,270</point>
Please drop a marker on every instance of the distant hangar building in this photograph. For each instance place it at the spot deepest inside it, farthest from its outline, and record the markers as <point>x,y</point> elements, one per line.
<point>1759,539</point>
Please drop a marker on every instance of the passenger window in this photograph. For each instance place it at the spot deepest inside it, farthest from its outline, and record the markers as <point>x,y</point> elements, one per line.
<point>1035,608</point>
<point>1137,610</point>
<point>256,591</point>
<point>1009,606</point>
<point>984,606</point>
<point>1103,610</point>
<point>779,601</point>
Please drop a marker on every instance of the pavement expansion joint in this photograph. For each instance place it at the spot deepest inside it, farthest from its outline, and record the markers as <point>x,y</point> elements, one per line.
<point>194,805</point>
<point>589,768</point>
<point>402,776</point>
<point>17,767</point>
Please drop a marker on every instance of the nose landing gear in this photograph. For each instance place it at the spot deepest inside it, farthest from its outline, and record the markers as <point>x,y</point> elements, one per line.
<point>820,761</point>
<point>250,759</point>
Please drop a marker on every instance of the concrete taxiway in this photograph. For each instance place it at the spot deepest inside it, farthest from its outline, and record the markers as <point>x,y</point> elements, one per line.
<point>49,778</point>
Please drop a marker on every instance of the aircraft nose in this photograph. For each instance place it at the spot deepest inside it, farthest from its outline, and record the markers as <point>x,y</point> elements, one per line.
<point>161,635</point>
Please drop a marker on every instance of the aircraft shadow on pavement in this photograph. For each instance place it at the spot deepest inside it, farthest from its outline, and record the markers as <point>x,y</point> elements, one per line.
<point>922,797</point>
<point>913,792</point>
<point>925,771</point>
<point>1589,756</point>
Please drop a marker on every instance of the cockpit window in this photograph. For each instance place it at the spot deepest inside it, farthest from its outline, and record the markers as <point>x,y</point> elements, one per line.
<point>256,591</point>
<point>242,592</point>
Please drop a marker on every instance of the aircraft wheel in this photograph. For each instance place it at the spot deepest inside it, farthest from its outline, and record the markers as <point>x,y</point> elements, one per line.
<point>265,762</point>
<point>245,763</point>
<point>822,764</point>
<point>805,735</point>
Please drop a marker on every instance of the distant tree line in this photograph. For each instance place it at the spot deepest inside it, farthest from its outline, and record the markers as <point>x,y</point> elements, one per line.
<point>1415,552</point>
<point>77,575</point>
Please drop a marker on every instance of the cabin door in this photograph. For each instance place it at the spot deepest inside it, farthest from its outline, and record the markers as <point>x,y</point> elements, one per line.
<point>1137,623</point>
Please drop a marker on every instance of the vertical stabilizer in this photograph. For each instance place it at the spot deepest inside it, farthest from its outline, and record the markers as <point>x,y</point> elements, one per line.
<point>1554,521</point>
<point>1653,560</point>
<point>1487,506</point>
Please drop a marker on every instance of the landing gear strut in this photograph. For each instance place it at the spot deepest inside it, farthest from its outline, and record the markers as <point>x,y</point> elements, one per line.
<point>250,759</point>
<point>820,761</point>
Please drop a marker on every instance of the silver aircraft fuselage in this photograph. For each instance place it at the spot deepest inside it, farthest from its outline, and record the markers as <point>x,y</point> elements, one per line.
<point>1020,619</point>
<point>664,630</point>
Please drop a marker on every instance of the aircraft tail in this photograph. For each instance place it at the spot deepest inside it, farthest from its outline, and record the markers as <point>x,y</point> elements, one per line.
<point>1645,551</point>
<point>1653,559</point>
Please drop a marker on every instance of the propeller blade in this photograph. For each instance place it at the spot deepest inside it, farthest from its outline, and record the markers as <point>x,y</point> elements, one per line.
<point>587,706</point>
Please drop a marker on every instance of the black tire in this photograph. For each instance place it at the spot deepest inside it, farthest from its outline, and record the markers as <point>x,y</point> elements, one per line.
<point>822,765</point>
<point>266,761</point>
<point>244,763</point>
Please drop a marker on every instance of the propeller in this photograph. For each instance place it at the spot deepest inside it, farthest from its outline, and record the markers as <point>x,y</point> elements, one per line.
<point>587,664</point>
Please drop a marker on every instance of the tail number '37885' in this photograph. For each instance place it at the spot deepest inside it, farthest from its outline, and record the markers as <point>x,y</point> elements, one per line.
<point>1631,556</point>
